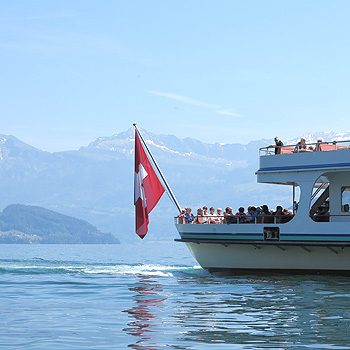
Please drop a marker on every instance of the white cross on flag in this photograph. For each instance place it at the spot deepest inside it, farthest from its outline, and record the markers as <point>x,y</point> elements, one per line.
<point>147,188</point>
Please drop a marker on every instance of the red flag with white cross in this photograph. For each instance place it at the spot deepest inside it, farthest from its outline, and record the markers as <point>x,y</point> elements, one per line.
<point>147,188</point>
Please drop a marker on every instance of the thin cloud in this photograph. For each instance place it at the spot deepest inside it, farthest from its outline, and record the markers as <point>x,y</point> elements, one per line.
<point>229,113</point>
<point>194,102</point>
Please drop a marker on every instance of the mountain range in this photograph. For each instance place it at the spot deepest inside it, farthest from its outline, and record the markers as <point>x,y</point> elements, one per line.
<point>95,182</point>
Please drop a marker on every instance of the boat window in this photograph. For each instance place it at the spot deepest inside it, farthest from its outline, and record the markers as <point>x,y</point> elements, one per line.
<point>271,233</point>
<point>345,198</point>
<point>319,203</point>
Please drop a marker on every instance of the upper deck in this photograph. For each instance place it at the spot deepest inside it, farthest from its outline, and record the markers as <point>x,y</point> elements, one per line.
<point>316,156</point>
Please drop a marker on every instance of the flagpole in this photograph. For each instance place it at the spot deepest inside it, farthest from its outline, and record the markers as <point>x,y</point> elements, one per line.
<point>170,192</point>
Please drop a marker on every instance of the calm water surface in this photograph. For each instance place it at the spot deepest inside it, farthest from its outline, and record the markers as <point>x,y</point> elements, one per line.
<point>153,295</point>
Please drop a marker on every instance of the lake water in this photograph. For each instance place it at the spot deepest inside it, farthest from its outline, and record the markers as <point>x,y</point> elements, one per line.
<point>153,295</point>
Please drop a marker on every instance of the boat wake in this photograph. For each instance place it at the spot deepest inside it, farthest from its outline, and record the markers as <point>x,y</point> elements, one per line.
<point>43,267</point>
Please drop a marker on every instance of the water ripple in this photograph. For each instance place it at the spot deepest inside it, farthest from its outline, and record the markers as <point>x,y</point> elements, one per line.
<point>75,304</point>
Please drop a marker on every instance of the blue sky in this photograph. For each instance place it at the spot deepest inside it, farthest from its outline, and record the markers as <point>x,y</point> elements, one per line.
<point>223,71</point>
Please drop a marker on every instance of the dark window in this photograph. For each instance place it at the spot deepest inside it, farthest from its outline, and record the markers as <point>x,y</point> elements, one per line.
<point>345,198</point>
<point>271,233</point>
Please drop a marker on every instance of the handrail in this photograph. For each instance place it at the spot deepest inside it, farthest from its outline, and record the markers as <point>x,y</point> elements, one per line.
<point>331,215</point>
<point>326,217</point>
<point>307,147</point>
<point>261,219</point>
<point>248,219</point>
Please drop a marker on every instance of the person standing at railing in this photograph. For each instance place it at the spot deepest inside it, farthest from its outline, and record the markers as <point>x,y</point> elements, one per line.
<point>278,145</point>
<point>181,217</point>
<point>318,145</point>
<point>301,146</point>
<point>211,216</point>
<point>253,213</point>
<point>229,217</point>
<point>278,214</point>
<point>199,219</point>
<point>242,216</point>
<point>189,217</point>
<point>205,215</point>
<point>215,219</point>
<point>266,215</point>
<point>220,215</point>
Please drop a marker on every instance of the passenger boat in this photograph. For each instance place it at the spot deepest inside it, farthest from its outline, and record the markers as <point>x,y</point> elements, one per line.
<point>305,242</point>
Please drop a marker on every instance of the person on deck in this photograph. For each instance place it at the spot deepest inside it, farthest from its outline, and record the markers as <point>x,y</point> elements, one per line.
<point>266,216</point>
<point>242,216</point>
<point>278,145</point>
<point>322,213</point>
<point>229,217</point>
<point>279,215</point>
<point>318,145</point>
<point>181,217</point>
<point>205,215</point>
<point>199,219</point>
<point>253,213</point>
<point>218,218</point>
<point>287,212</point>
<point>189,217</point>
<point>300,146</point>
<point>211,216</point>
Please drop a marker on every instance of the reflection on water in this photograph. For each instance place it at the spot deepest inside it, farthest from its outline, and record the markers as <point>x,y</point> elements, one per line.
<point>147,299</point>
<point>278,312</point>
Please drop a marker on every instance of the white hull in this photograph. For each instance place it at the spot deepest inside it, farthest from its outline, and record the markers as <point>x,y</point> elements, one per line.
<point>239,257</point>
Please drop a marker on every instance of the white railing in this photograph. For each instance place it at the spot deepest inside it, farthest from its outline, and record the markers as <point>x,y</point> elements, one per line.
<point>235,219</point>
<point>307,147</point>
<point>261,219</point>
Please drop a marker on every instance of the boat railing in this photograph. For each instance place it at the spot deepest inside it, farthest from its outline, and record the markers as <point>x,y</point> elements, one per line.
<point>235,219</point>
<point>307,147</point>
<point>329,217</point>
<point>262,219</point>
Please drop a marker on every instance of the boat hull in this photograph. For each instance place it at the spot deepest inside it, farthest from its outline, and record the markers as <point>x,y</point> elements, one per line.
<point>280,258</point>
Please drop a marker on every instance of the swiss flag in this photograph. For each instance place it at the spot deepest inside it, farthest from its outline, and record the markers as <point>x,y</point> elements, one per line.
<point>147,188</point>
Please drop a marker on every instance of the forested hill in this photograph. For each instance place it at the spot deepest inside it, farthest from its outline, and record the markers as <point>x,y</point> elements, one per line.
<point>32,224</point>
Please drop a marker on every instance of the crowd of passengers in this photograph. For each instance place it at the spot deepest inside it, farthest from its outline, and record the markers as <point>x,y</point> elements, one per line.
<point>253,215</point>
<point>301,146</point>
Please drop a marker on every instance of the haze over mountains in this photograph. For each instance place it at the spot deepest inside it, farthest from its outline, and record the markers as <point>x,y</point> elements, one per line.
<point>95,183</point>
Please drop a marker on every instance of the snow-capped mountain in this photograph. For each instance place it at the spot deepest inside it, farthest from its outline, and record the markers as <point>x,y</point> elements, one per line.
<point>95,183</point>
<point>192,148</point>
<point>11,147</point>
<point>171,146</point>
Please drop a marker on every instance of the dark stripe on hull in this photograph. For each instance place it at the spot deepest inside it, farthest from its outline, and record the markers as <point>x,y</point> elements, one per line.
<point>304,167</point>
<point>270,242</point>
<point>265,272</point>
<point>326,235</point>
